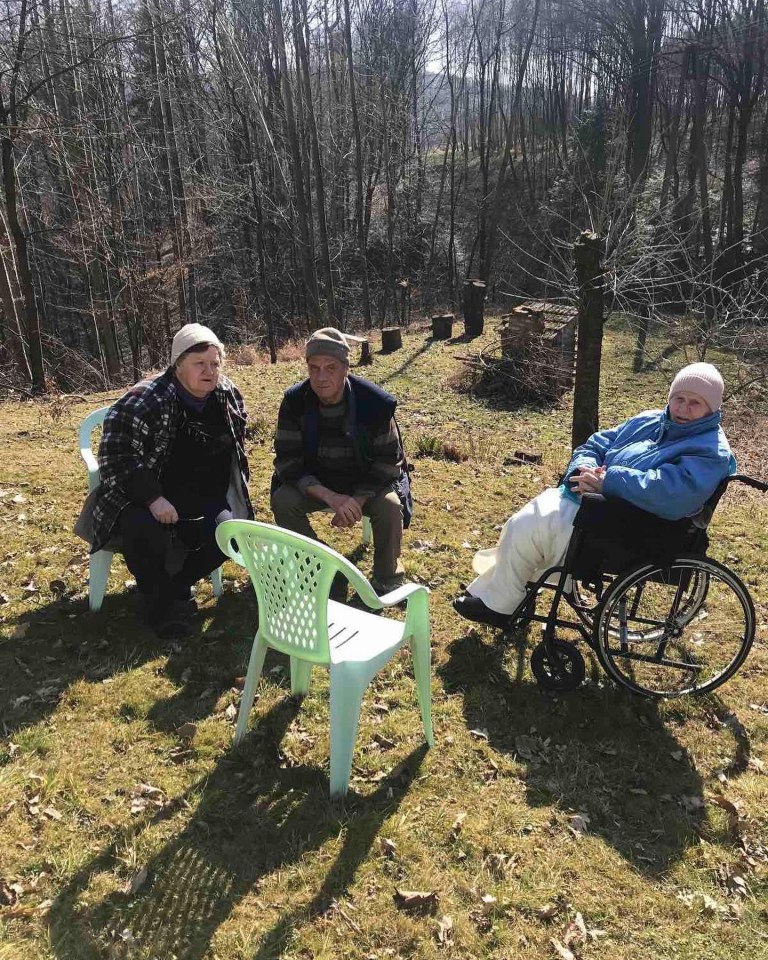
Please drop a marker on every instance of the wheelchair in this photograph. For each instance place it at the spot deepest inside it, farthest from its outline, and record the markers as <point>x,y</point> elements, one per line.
<point>662,618</point>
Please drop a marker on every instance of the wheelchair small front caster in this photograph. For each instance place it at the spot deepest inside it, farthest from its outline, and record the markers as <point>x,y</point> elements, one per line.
<point>562,669</point>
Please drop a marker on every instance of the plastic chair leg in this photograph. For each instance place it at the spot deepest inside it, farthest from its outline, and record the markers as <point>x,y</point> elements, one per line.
<point>367,530</point>
<point>216,582</point>
<point>98,573</point>
<point>300,673</point>
<point>346,699</point>
<point>420,651</point>
<point>258,652</point>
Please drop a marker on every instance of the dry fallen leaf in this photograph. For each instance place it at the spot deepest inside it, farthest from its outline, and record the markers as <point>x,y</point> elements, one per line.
<point>755,763</point>
<point>578,824</point>
<point>445,930</point>
<point>383,742</point>
<point>710,904</point>
<point>735,883</point>
<point>231,712</point>
<point>576,932</point>
<point>419,901</point>
<point>187,731</point>
<point>562,951</point>
<point>456,828</point>
<point>52,813</point>
<point>136,882</point>
<point>733,812</point>
<point>387,847</point>
<point>548,911</point>
<point>8,895</point>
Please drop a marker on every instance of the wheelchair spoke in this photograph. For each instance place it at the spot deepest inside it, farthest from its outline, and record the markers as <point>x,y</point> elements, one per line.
<point>659,660</point>
<point>684,628</point>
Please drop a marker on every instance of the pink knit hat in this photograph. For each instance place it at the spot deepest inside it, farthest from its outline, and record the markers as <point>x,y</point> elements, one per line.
<point>703,379</point>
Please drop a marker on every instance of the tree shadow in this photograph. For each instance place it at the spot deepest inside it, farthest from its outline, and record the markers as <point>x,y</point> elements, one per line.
<point>401,369</point>
<point>599,751</point>
<point>253,817</point>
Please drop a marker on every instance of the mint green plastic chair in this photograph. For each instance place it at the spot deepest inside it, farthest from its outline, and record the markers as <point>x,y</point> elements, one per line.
<point>292,577</point>
<point>100,562</point>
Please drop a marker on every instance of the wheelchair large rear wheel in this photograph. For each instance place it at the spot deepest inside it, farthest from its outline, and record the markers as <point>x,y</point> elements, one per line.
<point>585,605</point>
<point>669,631</point>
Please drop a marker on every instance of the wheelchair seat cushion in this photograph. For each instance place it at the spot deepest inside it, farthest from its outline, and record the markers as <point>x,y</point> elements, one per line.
<point>617,535</point>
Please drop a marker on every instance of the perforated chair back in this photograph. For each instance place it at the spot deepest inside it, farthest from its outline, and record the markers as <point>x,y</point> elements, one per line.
<point>292,576</point>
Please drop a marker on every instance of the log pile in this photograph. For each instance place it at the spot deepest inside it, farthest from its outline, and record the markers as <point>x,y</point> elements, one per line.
<point>533,360</point>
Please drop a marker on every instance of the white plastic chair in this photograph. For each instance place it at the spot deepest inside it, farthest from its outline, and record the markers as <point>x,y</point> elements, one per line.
<point>292,576</point>
<point>100,562</point>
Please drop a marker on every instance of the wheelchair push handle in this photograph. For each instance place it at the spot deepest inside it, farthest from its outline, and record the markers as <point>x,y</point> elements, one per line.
<point>749,481</point>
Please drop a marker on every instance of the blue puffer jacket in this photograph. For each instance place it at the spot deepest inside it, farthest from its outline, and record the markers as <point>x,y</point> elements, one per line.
<point>664,467</point>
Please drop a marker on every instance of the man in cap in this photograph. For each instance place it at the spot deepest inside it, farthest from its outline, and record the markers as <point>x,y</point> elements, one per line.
<point>172,465</point>
<point>337,446</point>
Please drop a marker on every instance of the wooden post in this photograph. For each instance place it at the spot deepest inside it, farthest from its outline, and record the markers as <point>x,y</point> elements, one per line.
<point>473,302</point>
<point>391,339</point>
<point>588,252</point>
<point>442,326</point>
<point>365,353</point>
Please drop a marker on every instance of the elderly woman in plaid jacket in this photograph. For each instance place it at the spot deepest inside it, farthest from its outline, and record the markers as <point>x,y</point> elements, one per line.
<point>172,465</point>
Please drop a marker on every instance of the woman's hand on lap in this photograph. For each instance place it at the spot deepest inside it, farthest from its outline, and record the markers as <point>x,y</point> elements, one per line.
<point>163,511</point>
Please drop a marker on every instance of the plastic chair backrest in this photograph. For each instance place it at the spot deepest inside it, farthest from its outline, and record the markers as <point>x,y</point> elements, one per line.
<point>292,576</point>
<point>93,420</point>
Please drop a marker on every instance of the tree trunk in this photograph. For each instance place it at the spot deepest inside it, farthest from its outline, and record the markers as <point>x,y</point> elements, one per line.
<point>359,204</point>
<point>299,188</point>
<point>31,317</point>
<point>588,252</point>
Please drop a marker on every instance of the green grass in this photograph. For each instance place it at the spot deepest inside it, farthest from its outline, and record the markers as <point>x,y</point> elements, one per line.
<point>246,857</point>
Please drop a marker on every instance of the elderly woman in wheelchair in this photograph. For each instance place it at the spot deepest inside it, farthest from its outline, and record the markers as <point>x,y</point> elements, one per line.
<point>623,541</point>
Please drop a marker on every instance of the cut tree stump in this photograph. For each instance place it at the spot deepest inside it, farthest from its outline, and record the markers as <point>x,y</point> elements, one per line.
<point>442,326</point>
<point>391,339</point>
<point>365,348</point>
<point>473,302</point>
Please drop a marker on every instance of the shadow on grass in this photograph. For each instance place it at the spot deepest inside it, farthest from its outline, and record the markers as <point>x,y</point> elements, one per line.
<point>252,818</point>
<point>63,643</point>
<point>599,750</point>
<point>411,359</point>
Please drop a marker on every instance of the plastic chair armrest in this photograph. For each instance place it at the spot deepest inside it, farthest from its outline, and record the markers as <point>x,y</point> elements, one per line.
<point>394,597</point>
<point>90,460</point>
<point>225,544</point>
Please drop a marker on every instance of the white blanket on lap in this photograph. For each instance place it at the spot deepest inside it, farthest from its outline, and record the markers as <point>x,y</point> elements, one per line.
<point>533,539</point>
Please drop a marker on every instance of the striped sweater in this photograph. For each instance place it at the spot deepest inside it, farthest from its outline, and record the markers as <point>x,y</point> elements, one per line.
<point>357,445</point>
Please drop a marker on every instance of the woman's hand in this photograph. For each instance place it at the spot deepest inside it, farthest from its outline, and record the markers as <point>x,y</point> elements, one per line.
<point>588,480</point>
<point>163,511</point>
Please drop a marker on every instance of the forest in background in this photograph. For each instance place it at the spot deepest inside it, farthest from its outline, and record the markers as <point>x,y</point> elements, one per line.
<point>270,166</point>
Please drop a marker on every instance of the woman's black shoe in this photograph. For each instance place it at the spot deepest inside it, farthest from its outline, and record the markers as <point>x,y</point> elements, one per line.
<point>473,608</point>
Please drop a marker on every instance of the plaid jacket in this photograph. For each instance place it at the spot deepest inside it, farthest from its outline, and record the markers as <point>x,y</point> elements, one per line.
<point>138,433</point>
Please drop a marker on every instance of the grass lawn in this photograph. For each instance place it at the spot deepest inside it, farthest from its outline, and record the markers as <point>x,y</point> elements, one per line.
<point>540,825</point>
